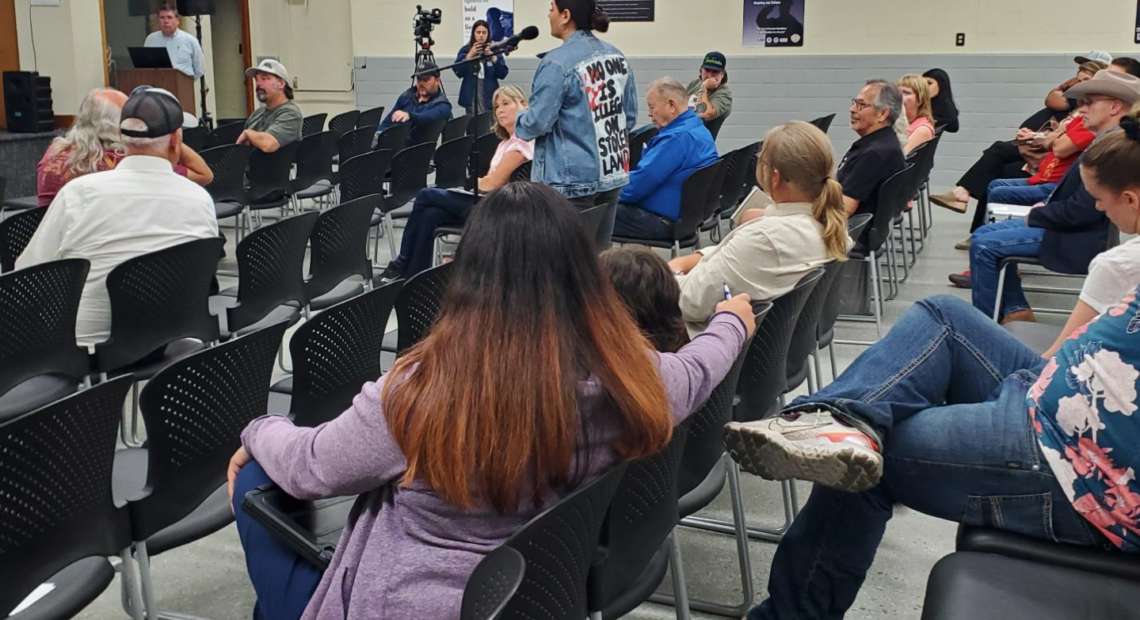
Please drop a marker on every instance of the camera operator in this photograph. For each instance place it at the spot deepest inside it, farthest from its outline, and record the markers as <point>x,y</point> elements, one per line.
<point>480,78</point>
<point>421,105</point>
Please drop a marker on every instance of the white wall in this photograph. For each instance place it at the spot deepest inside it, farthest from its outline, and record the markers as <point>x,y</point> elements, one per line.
<point>68,48</point>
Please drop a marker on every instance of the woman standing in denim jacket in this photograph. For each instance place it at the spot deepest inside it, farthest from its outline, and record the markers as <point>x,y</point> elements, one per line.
<point>583,103</point>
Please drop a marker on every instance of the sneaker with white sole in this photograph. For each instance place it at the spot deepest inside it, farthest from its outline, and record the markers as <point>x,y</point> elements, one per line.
<point>806,446</point>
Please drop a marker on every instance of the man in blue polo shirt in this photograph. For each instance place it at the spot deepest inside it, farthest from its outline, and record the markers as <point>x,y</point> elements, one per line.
<point>651,203</point>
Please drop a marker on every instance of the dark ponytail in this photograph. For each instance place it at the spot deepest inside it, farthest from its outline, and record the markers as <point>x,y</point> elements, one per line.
<point>586,14</point>
<point>1131,127</point>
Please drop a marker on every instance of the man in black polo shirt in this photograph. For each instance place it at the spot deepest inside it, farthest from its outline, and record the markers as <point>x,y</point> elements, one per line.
<point>876,155</point>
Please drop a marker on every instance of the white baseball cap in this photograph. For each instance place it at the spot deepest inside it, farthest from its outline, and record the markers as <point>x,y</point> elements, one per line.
<point>1094,55</point>
<point>271,67</point>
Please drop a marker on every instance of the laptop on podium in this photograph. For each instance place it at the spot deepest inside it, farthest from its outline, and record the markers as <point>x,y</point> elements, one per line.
<point>150,57</point>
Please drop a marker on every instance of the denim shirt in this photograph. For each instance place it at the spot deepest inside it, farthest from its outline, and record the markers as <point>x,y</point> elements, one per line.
<point>582,106</point>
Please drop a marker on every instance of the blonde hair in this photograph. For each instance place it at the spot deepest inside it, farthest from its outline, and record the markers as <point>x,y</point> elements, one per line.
<point>512,92</point>
<point>917,83</point>
<point>802,154</point>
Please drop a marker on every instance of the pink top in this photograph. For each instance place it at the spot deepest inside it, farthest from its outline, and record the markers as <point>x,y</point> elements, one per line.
<point>516,144</point>
<point>921,121</point>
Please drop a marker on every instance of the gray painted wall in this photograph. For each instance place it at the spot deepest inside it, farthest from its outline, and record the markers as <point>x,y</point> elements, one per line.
<point>995,93</point>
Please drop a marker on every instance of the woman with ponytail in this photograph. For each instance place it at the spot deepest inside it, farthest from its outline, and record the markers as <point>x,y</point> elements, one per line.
<point>766,256</point>
<point>583,103</point>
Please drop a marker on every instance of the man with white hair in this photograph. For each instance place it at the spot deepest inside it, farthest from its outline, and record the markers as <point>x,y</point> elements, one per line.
<point>651,203</point>
<point>140,206</point>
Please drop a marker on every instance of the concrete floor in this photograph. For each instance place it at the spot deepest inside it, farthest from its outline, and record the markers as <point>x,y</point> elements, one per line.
<point>208,578</point>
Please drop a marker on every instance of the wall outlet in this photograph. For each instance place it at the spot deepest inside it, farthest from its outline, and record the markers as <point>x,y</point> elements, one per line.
<point>960,41</point>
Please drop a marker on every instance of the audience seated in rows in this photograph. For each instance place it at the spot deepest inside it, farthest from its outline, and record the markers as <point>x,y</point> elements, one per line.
<point>1066,231</point>
<point>467,437</point>
<point>710,97</point>
<point>138,207</point>
<point>942,100</point>
<point>647,286</point>
<point>435,207</point>
<point>651,203</point>
<point>917,110</point>
<point>876,155</point>
<point>279,121</point>
<point>422,105</point>
<point>92,145</point>
<point>769,253</point>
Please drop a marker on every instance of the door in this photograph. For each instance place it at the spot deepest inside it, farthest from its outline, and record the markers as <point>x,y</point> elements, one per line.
<point>9,52</point>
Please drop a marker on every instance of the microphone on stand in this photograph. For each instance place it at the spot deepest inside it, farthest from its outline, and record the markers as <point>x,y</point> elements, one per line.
<point>507,45</point>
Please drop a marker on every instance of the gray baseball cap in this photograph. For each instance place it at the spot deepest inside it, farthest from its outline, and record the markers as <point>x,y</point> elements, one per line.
<point>271,67</point>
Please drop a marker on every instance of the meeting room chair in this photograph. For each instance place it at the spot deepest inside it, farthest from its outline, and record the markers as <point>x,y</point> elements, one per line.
<point>338,252</point>
<point>715,124</point>
<point>196,137</point>
<point>356,142</point>
<point>482,152</point>
<point>451,159</point>
<point>805,335</point>
<point>456,128</point>
<point>394,138</point>
<point>826,328</point>
<point>737,169</point>
<point>229,163</point>
<point>493,584</point>
<point>267,179</point>
<point>417,307</point>
<point>824,122</point>
<point>225,134</point>
<point>429,134</point>
<point>481,124</point>
<point>313,171</point>
<point>696,196</point>
<point>344,122</point>
<point>371,117</point>
<point>638,138</point>
<point>313,124</point>
<point>15,233</point>
<point>408,177</point>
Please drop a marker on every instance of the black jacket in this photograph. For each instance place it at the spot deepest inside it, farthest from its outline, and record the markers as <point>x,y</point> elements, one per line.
<point>1075,232</point>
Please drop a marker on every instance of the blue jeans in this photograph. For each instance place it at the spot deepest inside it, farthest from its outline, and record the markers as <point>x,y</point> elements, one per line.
<point>432,208</point>
<point>283,581</point>
<point>992,243</point>
<point>1018,192</point>
<point>635,222</point>
<point>945,391</point>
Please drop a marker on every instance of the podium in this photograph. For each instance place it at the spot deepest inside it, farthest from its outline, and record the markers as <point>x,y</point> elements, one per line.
<point>173,80</point>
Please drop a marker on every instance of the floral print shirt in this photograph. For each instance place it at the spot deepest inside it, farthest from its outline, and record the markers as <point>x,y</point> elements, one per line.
<point>1083,408</point>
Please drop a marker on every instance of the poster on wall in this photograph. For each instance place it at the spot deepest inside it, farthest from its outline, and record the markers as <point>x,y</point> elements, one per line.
<point>628,10</point>
<point>773,23</point>
<point>499,15</point>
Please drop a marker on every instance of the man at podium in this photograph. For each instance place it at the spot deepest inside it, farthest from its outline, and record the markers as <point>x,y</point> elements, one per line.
<point>185,52</point>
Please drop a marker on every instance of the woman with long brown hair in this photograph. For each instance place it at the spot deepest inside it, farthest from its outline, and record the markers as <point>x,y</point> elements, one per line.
<point>534,380</point>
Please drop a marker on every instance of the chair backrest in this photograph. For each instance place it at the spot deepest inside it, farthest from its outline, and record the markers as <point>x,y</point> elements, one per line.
<point>456,128</point>
<point>355,142</point>
<point>637,141</point>
<point>592,220</point>
<point>824,122</point>
<point>695,192</point>
<point>371,117</point>
<point>705,428</point>
<point>558,546</point>
<point>158,298</point>
<point>830,314</point>
<point>426,133</point>
<point>716,188</point>
<point>715,124</point>
<point>313,124</point>
<point>195,137</point>
<point>55,479</point>
<point>195,410</point>
<point>344,122</point>
<point>893,196</point>
<point>228,163</point>
<point>805,335</point>
<point>268,174</point>
<point>336,352</point>
<point>451,161</point>
<point>481,124</point>
<point>225,134</point>
<point>363,175</point>
<point>493,583</point>
<point>923,158</point>
<point>522,173</point>
<point>642,514</point>
<point>738,164</point>
<point>339,245</point>
<point>38,306</point>
<point>482,152</point>
<point>418,305</point>
<point>765,369</point>
<point>394,137</point>
<point>15,233</point>
<point>314,160</point>
<point>409,174</point>
<point>270,262</point>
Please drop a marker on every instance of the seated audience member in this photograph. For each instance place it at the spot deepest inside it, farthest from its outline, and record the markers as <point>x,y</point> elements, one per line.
<point>920,116</point>
<point>709,95</point>
<point>876,155</point>
<point>766,256</point>
<point>1131,66</point>
<point>645,284</point>
<point>936,416</point>
<point>467,437</point>
<point>278,122</point>
<point>942,100</point>
<point>1087,66</point>
<point>651,203</point>
<point>421,105</point>
<point>140,206</point>
<point>92,145</point>
<point>436,207</point>
<point>1066,231</point>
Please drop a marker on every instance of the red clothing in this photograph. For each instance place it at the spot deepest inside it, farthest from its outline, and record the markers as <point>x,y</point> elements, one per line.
<point>52,173</point>
<point>1052,168</point>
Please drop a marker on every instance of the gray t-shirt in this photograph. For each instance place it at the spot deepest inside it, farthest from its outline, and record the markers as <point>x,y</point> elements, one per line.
<point>720,98</point>
<point>282,122</point>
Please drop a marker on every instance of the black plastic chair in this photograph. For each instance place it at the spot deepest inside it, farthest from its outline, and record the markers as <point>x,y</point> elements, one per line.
<point>492,585</point>
<point>15,233</point>
<point>715,124</point>
<point>638,138</point>
<point>826,329</point>
<point>228,163</point>
<point>805,335</point>
<point>737,170</point>
<point>558,546</point>
<point>196,137</point>
<point>195,411</point>
<point>344,122</point>
<point>695,194</point>
<point>313,124</point>
<point>371,117</point>
<point>481,124</point>
<point>824,122</point>
<point>268,178</point>
<point>39,360</point>
<point>335,353</point>
<point>456,128</point>
<point>363,175</point>
<point>417,308</point>
<point>426,133</point>
<point>394,138</point>
<point>522,173</point>
<point>339,251</point>
<point>409,176</point>
<point>59,520</point>
<point>226,134</point>
<point>482,152</point>
<point>271,285</point>
<point>451,162</point>
<point>356,142</point>
<point>313,171</point>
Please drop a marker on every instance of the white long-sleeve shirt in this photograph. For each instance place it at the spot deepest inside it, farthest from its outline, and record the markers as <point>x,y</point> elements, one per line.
<point>109,217</point>
<point>185,52</point>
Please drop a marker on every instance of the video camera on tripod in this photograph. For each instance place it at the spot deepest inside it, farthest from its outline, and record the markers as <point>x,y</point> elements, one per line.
<point>425,21</point>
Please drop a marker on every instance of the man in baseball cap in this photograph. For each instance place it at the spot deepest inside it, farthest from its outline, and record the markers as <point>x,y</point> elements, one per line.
<point>278,122</point>
<point>424,105</point>
<point>709,95</point>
